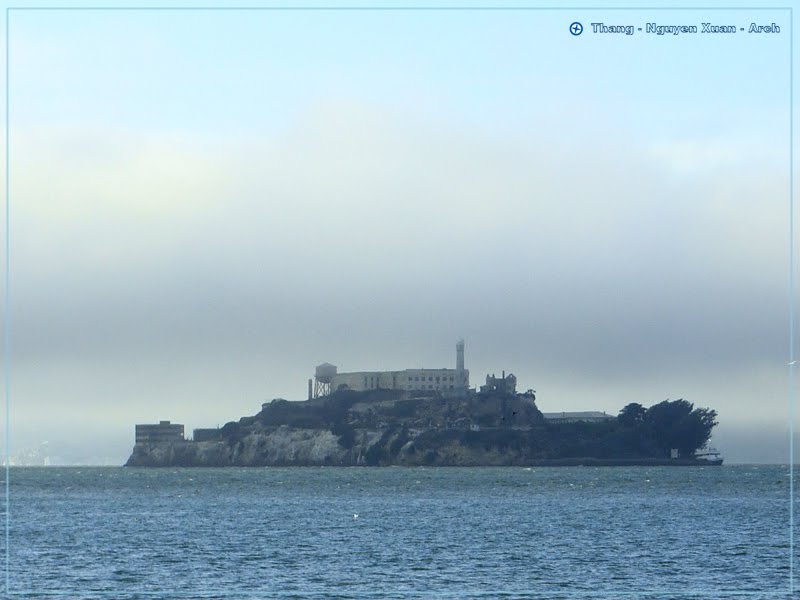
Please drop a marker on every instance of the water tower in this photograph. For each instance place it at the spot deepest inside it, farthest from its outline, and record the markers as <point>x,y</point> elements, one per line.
<point>323,376</point>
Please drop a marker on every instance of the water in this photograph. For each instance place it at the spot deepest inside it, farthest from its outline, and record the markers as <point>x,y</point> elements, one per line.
<point>438,533</point>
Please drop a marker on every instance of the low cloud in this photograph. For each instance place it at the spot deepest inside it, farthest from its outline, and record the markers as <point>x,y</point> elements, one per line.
<point>373,239</point>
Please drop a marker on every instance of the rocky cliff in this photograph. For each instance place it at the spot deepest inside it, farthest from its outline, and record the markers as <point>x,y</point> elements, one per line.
<point>366,428</point>
<point>385,427</point>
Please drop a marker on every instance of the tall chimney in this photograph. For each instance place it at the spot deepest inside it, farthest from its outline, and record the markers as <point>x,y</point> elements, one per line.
<point>460,355</point>
<point>309,389</point>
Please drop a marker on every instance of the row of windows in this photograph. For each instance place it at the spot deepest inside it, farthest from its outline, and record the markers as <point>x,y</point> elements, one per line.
<point>430,387</point>
<point>370,383</point>
<point>429,379</point>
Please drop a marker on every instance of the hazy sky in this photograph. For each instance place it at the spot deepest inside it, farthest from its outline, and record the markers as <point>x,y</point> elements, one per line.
<point>205,205</point>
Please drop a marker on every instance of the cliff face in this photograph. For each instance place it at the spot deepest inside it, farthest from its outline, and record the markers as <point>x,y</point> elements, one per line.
<point>282,446</point>
<point>285,446</point>
<point>369,428</point>
<point>384,427</point>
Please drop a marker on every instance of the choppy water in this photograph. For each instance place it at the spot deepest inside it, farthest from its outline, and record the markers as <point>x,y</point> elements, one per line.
<point>455,533</point>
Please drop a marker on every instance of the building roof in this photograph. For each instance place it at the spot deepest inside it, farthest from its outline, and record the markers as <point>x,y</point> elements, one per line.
<point>589,414</point>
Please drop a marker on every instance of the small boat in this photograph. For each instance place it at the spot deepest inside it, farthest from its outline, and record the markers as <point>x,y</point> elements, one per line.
<point>709,454</point>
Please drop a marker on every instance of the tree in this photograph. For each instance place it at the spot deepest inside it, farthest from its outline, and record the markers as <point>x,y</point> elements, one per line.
<point>678,424</point>
<point>697,432</point>
<point>632,414</point>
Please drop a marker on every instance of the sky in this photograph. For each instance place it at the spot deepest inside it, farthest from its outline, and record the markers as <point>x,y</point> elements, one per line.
<point>204,205</point>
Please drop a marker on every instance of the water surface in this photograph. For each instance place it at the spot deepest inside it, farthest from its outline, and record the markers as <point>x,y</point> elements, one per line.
<point>400,532</point>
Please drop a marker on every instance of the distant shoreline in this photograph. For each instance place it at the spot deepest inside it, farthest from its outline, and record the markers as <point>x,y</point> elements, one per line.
<point>547,463</point>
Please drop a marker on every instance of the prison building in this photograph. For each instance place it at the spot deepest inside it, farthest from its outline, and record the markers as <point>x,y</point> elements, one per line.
<point>164,431</point>
<point>408,379</point>
<point>442,380</point>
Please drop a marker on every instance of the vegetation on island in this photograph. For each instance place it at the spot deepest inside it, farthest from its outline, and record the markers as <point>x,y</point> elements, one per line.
<point>421,428</point>
<point>638,432</point>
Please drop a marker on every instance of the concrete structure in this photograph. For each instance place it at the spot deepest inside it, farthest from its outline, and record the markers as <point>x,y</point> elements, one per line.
<point>591,416</point>
<point>206,435</point>
<point>164,431</point>
<point>505,384</point>
<point>442,380</point>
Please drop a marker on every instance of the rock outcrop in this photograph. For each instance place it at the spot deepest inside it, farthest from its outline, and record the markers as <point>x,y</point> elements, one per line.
<point>365,428</point>
<point>387,427</point>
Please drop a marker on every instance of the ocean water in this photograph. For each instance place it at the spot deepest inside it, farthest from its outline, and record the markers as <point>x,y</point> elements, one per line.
<point>696,532</point>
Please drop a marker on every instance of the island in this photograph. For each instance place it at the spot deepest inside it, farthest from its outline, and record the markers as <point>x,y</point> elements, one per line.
<point>495,426</point>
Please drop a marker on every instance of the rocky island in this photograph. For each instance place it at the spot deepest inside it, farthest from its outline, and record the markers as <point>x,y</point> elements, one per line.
<point>381,427</point>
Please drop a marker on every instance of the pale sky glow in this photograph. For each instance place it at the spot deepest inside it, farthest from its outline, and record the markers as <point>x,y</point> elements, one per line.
<point>206,205</point>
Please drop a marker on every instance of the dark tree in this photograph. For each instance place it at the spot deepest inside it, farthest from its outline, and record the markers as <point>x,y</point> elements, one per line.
<point>632,414</point>
<point>678,424</point>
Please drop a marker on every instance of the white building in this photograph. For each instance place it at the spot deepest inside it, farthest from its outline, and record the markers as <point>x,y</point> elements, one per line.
<point>408,379</point>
